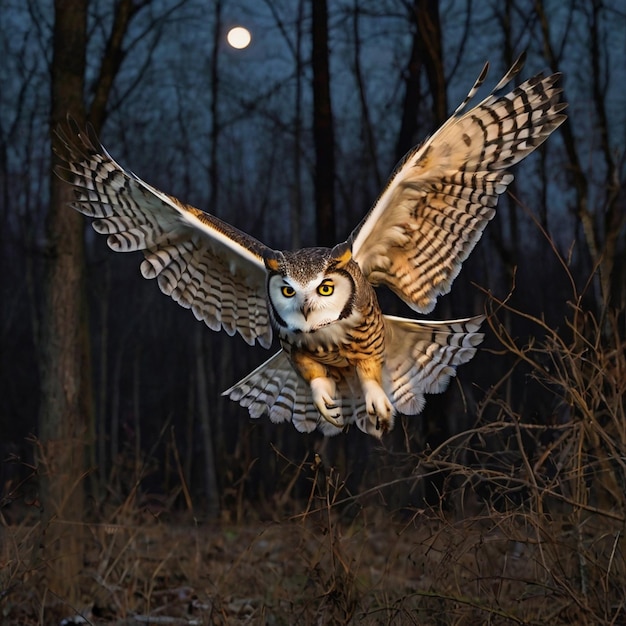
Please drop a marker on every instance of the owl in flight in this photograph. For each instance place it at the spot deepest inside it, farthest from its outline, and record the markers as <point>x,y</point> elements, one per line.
<point>341,360</point>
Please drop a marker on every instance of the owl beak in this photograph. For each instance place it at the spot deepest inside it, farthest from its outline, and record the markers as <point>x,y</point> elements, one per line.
<point>305,309</point>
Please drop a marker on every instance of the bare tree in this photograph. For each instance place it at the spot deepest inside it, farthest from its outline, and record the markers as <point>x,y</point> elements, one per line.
<point>370,143</point>
<point>294,42</point>
<point>323,128</point>
<point>602,216</point>
<point>215,122</point>
<point>426,54</point>
<point>66,407</point>
<point>63,420</point>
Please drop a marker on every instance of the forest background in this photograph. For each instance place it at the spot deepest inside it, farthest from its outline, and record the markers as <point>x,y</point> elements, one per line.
<point>111,392</point>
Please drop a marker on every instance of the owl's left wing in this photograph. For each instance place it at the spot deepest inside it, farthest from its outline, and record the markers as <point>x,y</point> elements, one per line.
<point>421,356</point>
<point>442,194</point>
<point>203,263</point>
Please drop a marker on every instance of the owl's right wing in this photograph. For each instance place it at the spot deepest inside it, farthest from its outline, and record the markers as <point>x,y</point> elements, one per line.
<point>442,194</point>
<point>203,263</point>
<point>275,389</point>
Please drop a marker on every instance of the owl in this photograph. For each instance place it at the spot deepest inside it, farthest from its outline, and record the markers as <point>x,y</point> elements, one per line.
<point>341,360</point>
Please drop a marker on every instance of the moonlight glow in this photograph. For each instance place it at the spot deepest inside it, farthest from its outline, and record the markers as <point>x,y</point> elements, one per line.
<point>239,37</point>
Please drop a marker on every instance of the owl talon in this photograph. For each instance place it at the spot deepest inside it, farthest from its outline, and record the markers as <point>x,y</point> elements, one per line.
<point>377,405</point>
<point>334,420</point>
<point>323,390</point>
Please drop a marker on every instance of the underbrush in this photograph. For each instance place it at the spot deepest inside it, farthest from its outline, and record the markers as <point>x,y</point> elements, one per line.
<point>528,527</point>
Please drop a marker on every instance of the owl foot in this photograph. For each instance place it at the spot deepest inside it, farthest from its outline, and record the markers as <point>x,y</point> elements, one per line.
<point>377,404</point>
<point>323,390</point>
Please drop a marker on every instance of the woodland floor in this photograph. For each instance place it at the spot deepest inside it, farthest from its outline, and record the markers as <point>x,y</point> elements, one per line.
<point>419,567</point>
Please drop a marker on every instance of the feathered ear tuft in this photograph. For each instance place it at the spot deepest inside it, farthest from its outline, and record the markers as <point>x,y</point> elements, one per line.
<point>341,254</point>
<point>274,260</point>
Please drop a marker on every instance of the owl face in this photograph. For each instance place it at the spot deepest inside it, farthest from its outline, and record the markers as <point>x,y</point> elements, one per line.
<point>310,290</point>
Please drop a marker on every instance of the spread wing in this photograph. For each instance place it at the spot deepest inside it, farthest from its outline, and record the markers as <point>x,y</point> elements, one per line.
<point>442,194</point>
<point>203,263</point>
<point>274,389</point>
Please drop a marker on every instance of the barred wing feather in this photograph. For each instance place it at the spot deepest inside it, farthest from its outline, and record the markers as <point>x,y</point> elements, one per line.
<point>274,389</point>
<point>420,357</point>
<point>203,263</point>
<point>442,194</point>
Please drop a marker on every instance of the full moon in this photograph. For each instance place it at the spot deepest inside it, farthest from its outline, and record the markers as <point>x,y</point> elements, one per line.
<point>239,37</point>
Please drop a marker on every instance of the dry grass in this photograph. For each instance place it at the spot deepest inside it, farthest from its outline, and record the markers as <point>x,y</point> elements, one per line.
<point>495,567</point>
<point>529,528</point>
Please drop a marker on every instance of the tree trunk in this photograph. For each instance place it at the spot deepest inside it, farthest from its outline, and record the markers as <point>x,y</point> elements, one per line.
<point>427,54</point>
<point>368,130</point>
<point>323,128</point>
<point>206,426</point>
<point>64,380</point>
<point>215,122</point>
<point>295,214</point>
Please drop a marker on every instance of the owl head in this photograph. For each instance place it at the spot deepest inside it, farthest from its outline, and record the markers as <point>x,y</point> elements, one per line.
<point>310,288</point>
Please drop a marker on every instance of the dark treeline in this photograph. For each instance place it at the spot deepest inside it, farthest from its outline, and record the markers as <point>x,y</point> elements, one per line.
<point>243,134</point>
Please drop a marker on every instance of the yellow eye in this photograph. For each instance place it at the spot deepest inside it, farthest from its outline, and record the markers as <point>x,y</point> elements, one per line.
<point>288,292</point>
<point>326,289</point>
